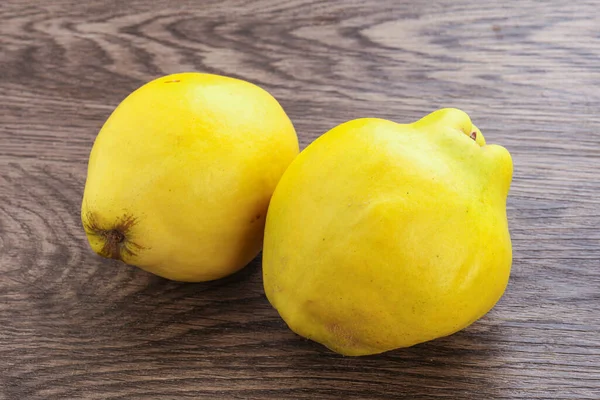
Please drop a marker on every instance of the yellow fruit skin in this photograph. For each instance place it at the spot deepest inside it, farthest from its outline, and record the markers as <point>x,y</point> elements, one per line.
<point>181,174</point>
<point>381,235</point>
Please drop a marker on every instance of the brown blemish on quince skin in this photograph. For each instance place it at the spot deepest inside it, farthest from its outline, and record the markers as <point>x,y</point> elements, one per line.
<point>116,241</point>
<point>343,334</point>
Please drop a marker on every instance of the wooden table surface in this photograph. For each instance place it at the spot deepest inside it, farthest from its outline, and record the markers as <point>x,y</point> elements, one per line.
<point>73,325</point>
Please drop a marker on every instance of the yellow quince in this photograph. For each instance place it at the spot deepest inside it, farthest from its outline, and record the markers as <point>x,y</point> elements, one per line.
<point>181,174</point>
<point>383,235</point>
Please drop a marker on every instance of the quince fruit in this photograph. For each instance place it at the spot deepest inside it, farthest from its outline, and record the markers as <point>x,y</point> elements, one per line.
<point>181,174</point>
<point>383,235</point>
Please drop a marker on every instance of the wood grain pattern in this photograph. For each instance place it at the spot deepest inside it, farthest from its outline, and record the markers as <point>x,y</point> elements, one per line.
<point>73,325</point>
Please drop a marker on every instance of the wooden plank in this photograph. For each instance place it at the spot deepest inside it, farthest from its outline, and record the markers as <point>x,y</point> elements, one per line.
<point>73,325</point>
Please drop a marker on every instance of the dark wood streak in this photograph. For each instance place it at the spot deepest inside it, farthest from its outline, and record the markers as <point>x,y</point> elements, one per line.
<point>74,325</point>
